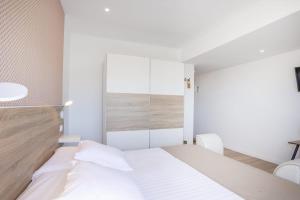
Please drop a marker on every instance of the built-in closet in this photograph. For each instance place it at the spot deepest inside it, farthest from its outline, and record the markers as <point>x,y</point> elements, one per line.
<point>143,102</point>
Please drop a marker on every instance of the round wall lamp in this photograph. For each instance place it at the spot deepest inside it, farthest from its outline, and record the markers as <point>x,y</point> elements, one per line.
<point>68,103</point>
<point>12,91</point>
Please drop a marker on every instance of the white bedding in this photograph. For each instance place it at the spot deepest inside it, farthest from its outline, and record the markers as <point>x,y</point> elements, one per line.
<point>62,159</point>
<point>49,180</point>
<point>47,186</point>
<point>161,176</point>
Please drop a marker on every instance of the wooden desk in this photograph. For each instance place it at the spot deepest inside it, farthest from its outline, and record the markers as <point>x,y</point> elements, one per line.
<point>297,143</point>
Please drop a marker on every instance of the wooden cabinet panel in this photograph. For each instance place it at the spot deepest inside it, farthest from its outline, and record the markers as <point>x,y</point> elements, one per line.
<point>140,111</point>
<point>166,111</point>
<point>127,112</point>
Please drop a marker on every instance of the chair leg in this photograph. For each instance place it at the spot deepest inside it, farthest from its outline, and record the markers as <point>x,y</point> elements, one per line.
<point>295,152</point>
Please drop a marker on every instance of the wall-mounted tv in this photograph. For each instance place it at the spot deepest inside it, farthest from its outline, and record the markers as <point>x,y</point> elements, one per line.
<point>297,70</point>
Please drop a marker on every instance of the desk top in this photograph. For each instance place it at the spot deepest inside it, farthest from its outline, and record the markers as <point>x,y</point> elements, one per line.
<point>69,139</point>
<point>295,142</point>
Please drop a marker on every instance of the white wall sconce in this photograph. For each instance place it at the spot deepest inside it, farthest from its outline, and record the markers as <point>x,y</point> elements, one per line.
<point>68,103</point>
<point>12,91</point>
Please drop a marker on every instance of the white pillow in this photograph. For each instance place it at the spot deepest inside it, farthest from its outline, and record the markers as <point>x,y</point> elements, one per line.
<point>47,186</point>
<point>88,181</point>
<point>62,159</point>
<point>103,155</point>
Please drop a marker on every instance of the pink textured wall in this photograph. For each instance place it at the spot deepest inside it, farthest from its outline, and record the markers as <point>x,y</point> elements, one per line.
<point>31,49</point>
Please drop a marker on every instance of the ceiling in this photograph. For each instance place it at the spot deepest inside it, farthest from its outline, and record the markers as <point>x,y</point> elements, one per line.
<point>176,23</point>
<point>278,37</point>
<point>169,23</point>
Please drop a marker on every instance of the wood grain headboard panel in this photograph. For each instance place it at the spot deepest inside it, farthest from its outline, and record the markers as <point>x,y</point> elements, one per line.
<point>28,137</point>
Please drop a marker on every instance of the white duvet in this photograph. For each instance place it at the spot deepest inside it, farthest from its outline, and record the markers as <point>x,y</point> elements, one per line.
<point>157,174</point>
<point>161,176</point>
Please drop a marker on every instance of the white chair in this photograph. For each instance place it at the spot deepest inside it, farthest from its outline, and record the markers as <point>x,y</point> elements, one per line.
<point>289,170</point>
<point>210,141</point>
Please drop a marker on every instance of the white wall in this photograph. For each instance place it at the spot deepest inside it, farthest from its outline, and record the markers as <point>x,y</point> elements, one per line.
<point>84,57</point>
<point>255,107</point>
<point>188,130</point>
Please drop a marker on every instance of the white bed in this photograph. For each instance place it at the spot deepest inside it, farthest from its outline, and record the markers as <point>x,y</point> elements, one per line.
<point>157,174</point>
<point>161,176</point>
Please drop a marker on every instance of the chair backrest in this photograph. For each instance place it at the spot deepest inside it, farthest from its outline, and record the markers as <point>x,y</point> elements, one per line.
<point>289,170</point>
<point>210,141</point>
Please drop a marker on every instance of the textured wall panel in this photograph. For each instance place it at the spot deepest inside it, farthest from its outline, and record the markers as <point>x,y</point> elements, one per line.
<point>31,48</point>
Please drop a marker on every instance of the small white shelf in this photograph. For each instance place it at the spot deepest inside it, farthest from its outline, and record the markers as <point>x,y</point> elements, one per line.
<point>66,139</point>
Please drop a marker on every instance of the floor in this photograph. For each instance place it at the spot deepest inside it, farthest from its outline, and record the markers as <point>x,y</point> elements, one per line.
<point>255,162</point>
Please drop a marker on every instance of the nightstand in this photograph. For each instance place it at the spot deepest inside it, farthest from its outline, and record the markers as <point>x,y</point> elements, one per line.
<point>69,139</point>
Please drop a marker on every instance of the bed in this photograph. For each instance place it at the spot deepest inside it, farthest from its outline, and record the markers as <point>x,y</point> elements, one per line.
<point>29,139</point>
<point>163,177</point>
<point>161,174</point>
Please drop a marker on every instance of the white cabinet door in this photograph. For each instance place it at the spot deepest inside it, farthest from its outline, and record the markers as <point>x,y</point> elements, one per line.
<point>127,74</point>
<point>166,77</point>
<point>128,140</point>
<point>166,137</point>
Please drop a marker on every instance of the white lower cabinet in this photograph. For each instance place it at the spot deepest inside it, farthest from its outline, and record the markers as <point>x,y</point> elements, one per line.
<point>166,137</point>
<point>143,139</point>
<point>128,140</point>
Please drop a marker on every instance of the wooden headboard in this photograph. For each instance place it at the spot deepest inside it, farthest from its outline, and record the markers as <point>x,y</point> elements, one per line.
<point>28,137</point>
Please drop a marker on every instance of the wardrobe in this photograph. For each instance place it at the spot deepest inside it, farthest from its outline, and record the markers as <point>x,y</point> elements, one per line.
<point>143,102</point>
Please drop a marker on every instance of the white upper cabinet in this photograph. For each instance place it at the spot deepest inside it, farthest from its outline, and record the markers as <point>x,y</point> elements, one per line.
<point>167,78</point>
<point>127,74</point>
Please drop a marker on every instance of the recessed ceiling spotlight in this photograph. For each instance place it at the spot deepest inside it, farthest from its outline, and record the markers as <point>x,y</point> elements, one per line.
<point>106,10</point>
<point>262,51</point>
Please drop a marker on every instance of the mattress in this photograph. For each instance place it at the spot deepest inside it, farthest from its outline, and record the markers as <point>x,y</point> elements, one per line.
<point>161,176</point>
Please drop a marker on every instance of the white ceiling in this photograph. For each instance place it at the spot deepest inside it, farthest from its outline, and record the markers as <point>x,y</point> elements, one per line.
<point>169,23</point>
<point>180,23</point>
<point>278,37</point>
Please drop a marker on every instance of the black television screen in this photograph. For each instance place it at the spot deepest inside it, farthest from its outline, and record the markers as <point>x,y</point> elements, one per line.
<point>297,70</point>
